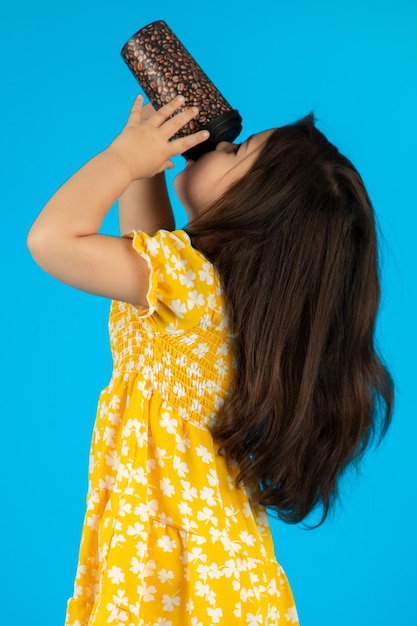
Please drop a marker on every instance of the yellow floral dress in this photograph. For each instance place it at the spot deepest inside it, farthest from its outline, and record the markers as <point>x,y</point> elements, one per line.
<point>168,539</point>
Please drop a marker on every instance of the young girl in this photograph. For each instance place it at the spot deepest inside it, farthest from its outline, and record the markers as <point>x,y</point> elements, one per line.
<point>245,374</point>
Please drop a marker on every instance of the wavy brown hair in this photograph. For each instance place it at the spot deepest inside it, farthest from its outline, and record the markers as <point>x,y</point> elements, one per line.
<point>294,243</point>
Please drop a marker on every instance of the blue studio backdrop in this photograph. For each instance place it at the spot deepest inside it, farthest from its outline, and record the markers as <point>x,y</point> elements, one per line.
<point>66,93</point>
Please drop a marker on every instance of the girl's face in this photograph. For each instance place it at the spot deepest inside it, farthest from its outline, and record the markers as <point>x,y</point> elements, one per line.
<point>204,181</point>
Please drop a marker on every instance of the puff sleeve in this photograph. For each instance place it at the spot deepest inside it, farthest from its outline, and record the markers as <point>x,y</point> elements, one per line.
<point>183,284</point>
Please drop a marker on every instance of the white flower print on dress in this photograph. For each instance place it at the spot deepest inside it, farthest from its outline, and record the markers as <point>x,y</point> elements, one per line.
<point>139,476</point>
<point>134,610</point>
<point>231,546</point>
<point>207,494</point>
<point>205,322</point>
<point>212,301</point>
<point>167,487</point>
<point>195,299</point>
<point>150,568</point>
<point>205,454</point>
<point>120,598</point>
<point>166,544</point>
<point>182,443</point>
<point>221,367</point>
<point>206,515</point>
<point>188,493</point>
<point>197,554</point>
<point>231,514</point>
<point>273,613</point>
<point>141,549</point>
<point>253,620</point>
<point>136,566</point>
<point>272,587</point>
<point>153,247</point>
<point>202,589</point>
<point>136,530</point>
<point>125,508</point>
<point>201,350</point>
<point>193,370</point>
<point>215,614</point>
<point>187,279</point>
<point>214,571</point>
<point>93,521</point>
<point>168,422</point>
<point>189,525</point>
<point>247,538</point>
<point>164,520</point>
<point>178,308</point>
<point>109,434</point>
<point>212,478</point>
<point>114,402</point>
<point>170,602</point>
<point>206,274</point>
<point>172,329</point>
<point>118,539</point>
<point>180,466</point>
<point>165,575</point>
<point>178,390</point>
<point>170,270</point>
<point>246,510</point>
<point>142,511</point>
<point>161,456</point>
<point>178,265</point>
<point>116,575</point>
<point>291,615</point>
<point>183,413</point>
<point>112,459</point>
<point>146,592</point>
<point>231,569</point>
<point>116,615</point>
<point>150,465</point>
<point>179,243</point>
<point>185,510</point>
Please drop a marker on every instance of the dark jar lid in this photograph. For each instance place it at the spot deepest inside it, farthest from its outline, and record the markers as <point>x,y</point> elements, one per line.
<point>226,127</point>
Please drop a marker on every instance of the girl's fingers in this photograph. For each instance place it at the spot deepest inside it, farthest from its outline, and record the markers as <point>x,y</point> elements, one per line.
<point>135,113</point>
<point>165,112</point>
<point>165,115</point>
<point>170,123</point>
<point>173,125</point>
<point>179,146</point>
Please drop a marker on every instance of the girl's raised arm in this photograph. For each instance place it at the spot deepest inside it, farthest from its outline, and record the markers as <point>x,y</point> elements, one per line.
<point>145,204</point>
<point>65,239</point>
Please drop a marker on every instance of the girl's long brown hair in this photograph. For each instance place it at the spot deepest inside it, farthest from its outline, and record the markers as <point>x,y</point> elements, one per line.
<point>294,244</point>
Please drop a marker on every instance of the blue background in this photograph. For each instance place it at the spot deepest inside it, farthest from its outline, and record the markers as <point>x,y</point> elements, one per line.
<point>66,94</point>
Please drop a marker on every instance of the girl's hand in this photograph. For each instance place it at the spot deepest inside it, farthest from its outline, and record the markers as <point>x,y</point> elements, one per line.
<point>147,111</point>
<point>144,144</point>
